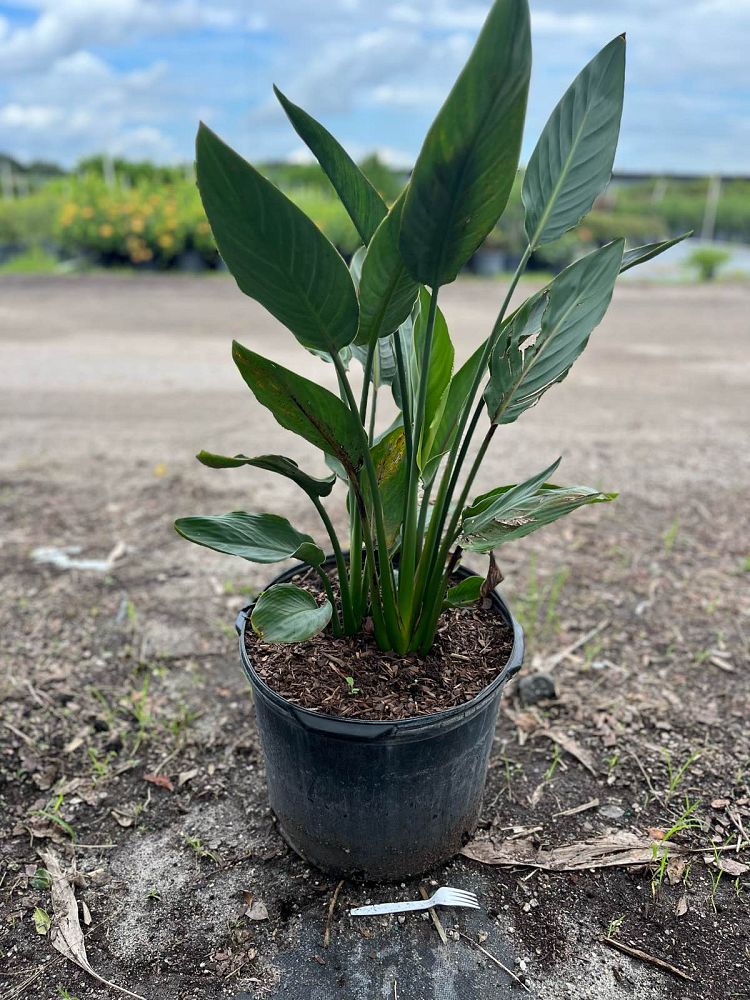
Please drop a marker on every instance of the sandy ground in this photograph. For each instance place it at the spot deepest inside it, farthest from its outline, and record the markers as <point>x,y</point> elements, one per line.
<point>108,386</point>
<point>141,367</point>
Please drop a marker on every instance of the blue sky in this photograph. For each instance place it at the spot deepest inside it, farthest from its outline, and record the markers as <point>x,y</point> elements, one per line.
<point>132,77</point>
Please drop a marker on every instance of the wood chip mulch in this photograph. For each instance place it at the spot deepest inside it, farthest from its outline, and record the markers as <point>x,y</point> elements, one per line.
<point>471,648</point>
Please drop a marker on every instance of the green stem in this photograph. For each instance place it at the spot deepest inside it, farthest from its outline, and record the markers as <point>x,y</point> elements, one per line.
<point>335,620</point>
<point>409,538</point>
<point>350,625</point>
<point>425,570</point>
<point>382,566</point>
<point>356,587</point>
<point>438,581</point>
<point>405,404</point>
<point>373,409</point>
<point>423,512</point>
<point>369,360</point>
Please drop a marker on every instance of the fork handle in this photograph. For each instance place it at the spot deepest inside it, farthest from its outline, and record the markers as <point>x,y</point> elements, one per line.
<point>377,908</point>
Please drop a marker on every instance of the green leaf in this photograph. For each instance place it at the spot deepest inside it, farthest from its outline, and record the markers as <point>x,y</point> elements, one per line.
<point>386,289</point>
<point>464,594</point>
<point>303,407</point>
<point>526,321</point>
<point>515,516</point>
<point>578,299</point>
<point>441,362</point>
<point>261,538</point>
<point>272,463</point>
<point>466,168</point>
<point>42,921</point>
<point>637,255</point>
<point>493,505</point>
<point>277,255</point>
<point>285,613</point>
<point>360,199</point>
<point>41,879</point>
<point>384,362</point>
<point>442,430</point>
<point>572,162</point>
<point>388,457</point>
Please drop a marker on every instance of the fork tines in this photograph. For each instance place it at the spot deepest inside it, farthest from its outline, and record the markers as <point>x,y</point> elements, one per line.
<point>460,897</point>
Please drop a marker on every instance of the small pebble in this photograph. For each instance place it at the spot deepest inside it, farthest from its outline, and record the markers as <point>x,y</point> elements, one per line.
<point>535,688</point>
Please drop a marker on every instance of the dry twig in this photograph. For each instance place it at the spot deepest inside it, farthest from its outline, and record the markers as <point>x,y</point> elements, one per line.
<point>435,918</point>
<point>495,960</point>
<point>645,957</point>
<point>329,917</point>
<point>553,661</point>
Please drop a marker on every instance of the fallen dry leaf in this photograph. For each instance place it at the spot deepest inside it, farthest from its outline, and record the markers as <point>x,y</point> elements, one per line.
<point>682,906</point>
<point>257,911</point>
<point>159,779</point>
<point>612,850</point>
<point>66,935</point>
<point>676,869</point>
<point>727,865</point>
<point>122,818</point>
<point>184,776</point>
<point>570,746</point>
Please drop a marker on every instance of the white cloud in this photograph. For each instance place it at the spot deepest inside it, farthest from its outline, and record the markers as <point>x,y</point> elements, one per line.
<point>66,26</point>
<point>407,95</point>
<point>87,107</point>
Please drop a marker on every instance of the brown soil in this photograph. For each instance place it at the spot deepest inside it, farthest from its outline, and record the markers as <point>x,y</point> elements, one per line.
<point>471,648</point>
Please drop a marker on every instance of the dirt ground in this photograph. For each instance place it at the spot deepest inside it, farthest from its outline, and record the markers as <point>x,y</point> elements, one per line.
<point>127,744</point>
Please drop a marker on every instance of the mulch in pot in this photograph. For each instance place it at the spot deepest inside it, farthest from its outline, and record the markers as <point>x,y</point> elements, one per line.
<point>471,648</point>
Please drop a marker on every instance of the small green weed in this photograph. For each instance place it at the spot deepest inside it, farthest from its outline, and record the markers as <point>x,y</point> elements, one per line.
<point>554,763</point>
<point>660,848</point>
<point>195,844</point>
<point>670,535</point>
<point>51,812</point>
<point>675,775</point>
<point>538,607</point>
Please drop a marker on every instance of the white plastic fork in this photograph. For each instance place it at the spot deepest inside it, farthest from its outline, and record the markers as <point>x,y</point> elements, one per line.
<point>445,896</point>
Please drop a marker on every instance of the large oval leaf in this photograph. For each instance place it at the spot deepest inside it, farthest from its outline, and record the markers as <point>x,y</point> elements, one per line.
<point>520,373</point>
<point>572,162</point>
<point>261,538</point>
<point>271,463</point>
<point>465,171</point>
<point>277,255</point>
<point>285,613</point>
<point>303,407</point>
<point>386,289</point>
<point>360,199</point>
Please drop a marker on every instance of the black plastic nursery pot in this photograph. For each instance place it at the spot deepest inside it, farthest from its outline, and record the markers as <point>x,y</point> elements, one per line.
<point>377,800</point>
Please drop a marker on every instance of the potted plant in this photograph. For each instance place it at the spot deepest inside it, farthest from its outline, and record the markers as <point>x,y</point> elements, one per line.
<point>377,675</point>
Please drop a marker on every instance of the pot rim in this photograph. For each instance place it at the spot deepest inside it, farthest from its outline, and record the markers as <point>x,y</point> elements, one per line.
<point>340,725</point>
